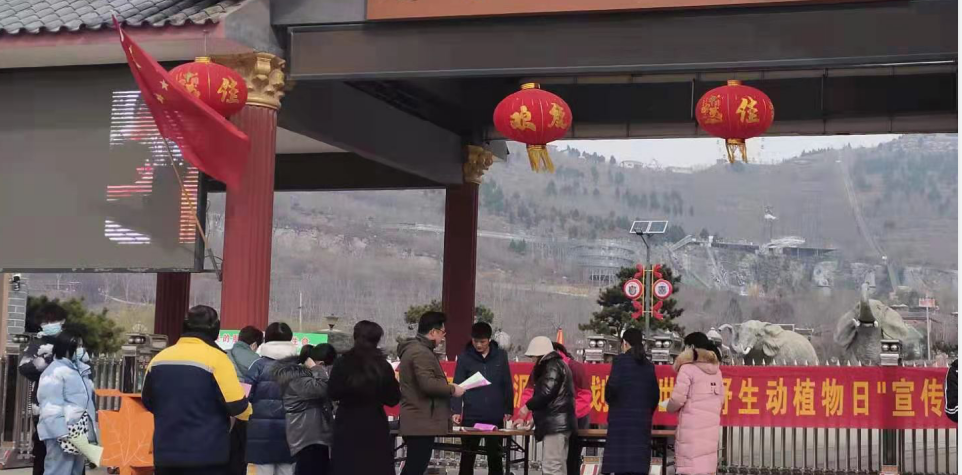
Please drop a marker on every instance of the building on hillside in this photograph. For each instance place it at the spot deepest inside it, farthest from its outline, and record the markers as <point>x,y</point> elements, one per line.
<point>600,263</point>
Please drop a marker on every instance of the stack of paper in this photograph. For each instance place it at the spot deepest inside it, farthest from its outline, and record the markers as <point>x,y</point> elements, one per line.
<point>477,380</point>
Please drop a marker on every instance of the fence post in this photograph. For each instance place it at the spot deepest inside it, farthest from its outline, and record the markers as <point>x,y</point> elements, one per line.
<point>890,355</point>
<point>16,404</point>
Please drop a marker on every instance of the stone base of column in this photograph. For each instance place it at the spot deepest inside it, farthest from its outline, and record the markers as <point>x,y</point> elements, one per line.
<point>173,299</point>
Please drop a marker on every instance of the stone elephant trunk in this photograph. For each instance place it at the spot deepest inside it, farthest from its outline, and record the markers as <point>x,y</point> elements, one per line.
<point>860,331</point>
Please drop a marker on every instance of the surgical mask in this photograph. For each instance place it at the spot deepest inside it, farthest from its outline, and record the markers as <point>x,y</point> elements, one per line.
<point>51,329</point>
<point>81,355</point>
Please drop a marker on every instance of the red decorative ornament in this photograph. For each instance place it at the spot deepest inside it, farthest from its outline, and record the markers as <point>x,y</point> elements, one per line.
<point>535,117</point>
<point>735,113</point>
<point>220,87</point>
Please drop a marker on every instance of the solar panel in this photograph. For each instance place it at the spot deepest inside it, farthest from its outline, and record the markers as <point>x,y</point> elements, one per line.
<point>649,227</point>
<point>657,227</point>
<point>639,227</point>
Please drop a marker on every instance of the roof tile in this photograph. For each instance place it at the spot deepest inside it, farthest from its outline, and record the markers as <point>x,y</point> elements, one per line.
<point>36,16</point>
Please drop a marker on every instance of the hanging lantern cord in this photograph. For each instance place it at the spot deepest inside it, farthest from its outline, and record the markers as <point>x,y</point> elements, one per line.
<point>540,161</point>
<point>734,145</point>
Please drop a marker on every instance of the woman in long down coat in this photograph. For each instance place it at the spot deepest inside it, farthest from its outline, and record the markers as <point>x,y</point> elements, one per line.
<point>632,397</point>
<point>362,382</point>
<point>697,397</point>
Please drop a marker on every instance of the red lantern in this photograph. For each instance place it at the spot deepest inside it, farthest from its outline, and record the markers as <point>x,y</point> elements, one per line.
<point>534,117</point>
<point>735,113</point>
<point>218,86</point>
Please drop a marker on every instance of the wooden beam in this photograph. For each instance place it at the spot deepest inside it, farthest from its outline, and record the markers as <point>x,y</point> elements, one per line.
<point>647,42</point>
<point>337,172</point>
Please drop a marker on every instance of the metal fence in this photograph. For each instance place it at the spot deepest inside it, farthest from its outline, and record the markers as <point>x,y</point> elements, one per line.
<point>760,450</point>
<point>754,450</point>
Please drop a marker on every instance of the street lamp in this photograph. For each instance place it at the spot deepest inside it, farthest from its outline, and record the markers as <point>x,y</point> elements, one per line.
<point>648,228</point>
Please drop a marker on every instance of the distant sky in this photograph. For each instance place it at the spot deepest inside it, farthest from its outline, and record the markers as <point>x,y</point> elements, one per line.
<point>705,151</point>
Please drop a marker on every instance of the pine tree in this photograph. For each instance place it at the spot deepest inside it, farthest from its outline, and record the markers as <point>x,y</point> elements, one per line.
<point>615,314</point>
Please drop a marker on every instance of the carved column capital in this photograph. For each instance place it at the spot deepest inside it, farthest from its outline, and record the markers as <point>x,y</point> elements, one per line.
<point>478,162</point>
<point>264,75</point>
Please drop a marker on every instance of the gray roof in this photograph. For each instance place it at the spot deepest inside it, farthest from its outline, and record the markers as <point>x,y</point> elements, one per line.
<point>53,16</point>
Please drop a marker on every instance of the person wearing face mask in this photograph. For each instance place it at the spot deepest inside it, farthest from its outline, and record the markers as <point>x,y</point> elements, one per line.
<point>35,359</point>
<point>66,395</point>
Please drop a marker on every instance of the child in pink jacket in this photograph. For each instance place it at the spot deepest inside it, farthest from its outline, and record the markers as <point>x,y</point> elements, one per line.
<point>697,398</point>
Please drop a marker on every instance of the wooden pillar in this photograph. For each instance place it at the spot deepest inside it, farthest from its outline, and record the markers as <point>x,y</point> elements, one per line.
<point>173,298</point>
<point>461,249</point>
<point>248,226</point>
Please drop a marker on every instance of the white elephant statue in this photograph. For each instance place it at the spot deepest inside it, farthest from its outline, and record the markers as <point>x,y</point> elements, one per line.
<point>767,343</point>
<point>861,330</point>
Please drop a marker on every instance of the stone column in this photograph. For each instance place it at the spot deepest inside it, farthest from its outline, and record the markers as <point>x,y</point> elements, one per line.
<point>245,294</point>
<point>173,298</point>
<point>461,249</point>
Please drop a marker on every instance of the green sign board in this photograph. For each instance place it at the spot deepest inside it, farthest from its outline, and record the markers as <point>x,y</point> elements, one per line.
<point>227,338</point>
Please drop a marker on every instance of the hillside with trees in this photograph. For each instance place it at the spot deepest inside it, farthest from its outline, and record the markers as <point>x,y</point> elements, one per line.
<point>376,254</point>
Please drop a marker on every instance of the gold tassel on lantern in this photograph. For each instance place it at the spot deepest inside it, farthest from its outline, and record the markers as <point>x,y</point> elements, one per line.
<point>540,161</point>
<point>734,145</point>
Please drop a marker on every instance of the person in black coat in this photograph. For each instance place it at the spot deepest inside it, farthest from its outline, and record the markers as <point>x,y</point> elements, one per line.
<point>492,404</point>
<point>362,382</point>
<point>267,446</point>
<point>552,405</point>
<point>47,322</point>
<point>632,397</point>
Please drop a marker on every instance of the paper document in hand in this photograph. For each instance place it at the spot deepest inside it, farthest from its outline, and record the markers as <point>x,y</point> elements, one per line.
<point>475,381</point>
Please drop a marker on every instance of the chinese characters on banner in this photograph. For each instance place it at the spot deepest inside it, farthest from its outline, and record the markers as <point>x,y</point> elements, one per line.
<point>795,396</point>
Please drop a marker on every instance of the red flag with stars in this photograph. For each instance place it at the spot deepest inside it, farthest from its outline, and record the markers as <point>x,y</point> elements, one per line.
<point>206,139</point>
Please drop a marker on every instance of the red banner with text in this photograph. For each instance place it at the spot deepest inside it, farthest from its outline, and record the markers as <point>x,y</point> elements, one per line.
<point>795,396</point>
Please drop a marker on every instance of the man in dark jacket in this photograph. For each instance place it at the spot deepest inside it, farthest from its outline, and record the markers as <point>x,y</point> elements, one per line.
<point>193,392</point>
<point>553,404</point>
<point>492,404</point>
<point>36,357</point>
<point>243,356</point>
<point>425,393</point>
<point>267,445</point>
<point>952,392</point>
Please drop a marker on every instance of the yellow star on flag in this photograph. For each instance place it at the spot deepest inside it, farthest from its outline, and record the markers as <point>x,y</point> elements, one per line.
<point>159,98</point>
<point>163,84</point>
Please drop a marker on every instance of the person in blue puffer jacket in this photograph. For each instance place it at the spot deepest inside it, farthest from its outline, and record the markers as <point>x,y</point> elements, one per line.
<point>66,396</point>
<point>267,446</point>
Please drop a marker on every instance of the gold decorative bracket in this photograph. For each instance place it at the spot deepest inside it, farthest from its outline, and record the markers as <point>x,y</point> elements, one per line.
<point>478,162</point>
<point>264,75</point>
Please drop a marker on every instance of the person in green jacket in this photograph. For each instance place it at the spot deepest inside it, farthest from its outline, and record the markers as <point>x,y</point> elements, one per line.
<point>243,354</point>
